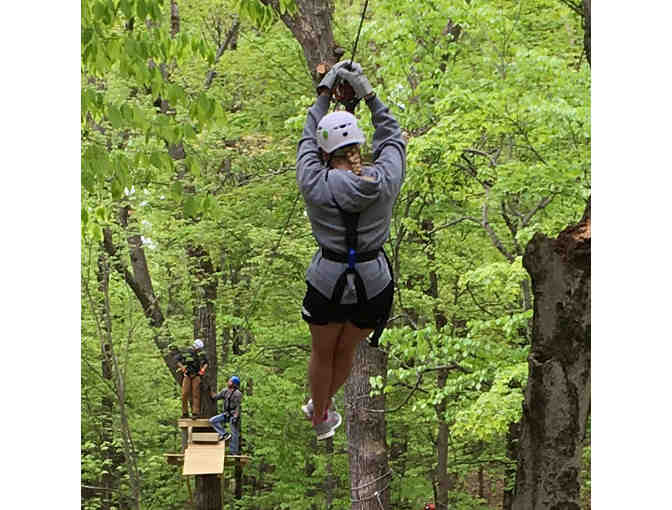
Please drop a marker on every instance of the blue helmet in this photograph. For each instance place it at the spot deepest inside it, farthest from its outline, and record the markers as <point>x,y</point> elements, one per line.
<point>235,380</point>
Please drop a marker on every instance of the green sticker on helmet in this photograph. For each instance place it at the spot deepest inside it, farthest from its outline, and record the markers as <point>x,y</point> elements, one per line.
<point>325,134</point>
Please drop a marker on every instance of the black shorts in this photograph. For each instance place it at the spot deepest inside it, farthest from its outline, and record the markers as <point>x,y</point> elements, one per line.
<point>367,316</point>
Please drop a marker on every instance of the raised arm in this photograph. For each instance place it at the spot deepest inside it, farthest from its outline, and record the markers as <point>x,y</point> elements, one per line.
<point>308,154</point>
<point>389,147</point>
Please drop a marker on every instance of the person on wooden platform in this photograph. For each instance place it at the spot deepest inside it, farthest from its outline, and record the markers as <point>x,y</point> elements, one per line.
<point>193,364</point>
<point>232,398</point>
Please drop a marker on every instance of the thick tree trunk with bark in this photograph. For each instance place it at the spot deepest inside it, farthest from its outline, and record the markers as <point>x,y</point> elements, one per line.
<point>557,397</point>
<point>367,447</point>
<point>311,26</point>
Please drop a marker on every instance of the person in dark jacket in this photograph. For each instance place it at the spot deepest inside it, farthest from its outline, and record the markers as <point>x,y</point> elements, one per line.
<point>193,364</point>
<point>349,204</point>
<point>232,398</point>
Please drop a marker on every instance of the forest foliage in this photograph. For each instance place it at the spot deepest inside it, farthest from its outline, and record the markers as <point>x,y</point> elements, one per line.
<point>190,124</point>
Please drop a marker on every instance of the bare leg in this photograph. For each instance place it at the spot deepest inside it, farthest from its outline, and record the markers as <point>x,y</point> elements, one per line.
<point>321,369</point>
<point>344,354</point>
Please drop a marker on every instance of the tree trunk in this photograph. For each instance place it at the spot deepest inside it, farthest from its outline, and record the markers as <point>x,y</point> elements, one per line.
<point>446,481</point>
<point>586,29</point>
<point>238,491</point>
<point>311,26</point>
<point>367,447</point>
<point>557,397</point>
<point>111,455</point>
<point>174,18</point>
<point>330,478</point>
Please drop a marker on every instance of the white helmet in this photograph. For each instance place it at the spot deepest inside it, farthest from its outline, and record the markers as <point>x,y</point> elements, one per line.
<point>337,130</point>
<point>198,344</point>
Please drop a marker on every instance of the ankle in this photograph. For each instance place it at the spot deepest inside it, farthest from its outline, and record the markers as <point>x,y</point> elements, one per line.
<point>317,419</point>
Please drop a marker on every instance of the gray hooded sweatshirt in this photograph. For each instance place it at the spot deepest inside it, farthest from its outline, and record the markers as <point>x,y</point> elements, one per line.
<point>373,199</point>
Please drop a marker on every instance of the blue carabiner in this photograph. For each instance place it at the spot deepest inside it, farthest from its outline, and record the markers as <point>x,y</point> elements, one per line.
<point>351,258</point>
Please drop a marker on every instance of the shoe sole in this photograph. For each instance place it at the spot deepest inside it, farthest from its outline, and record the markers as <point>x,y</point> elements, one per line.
<point>340,420</point>
<point>329,434</point>
<point>326,435</point>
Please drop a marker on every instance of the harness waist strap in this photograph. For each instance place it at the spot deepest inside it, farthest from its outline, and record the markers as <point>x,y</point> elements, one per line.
<point>336,256</point>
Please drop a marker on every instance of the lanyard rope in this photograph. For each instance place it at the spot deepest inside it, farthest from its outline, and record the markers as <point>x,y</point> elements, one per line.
<point>359,31</point>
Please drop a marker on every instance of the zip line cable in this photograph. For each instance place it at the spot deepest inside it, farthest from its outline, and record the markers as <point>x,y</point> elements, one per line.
<point>359,31</point>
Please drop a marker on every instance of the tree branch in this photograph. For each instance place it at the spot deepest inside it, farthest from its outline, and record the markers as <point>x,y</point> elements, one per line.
<point>575,6</point>
<point>408,397</point>
<point>220,51</point>
<point>511,226</point>
<point>541,205</point>
<point>454,222</point>
<point>491,158</point>
<point>493,236</point>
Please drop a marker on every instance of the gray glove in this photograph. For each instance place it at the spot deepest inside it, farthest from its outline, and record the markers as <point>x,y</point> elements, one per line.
<point>330,78</point>
<point>357,80</point>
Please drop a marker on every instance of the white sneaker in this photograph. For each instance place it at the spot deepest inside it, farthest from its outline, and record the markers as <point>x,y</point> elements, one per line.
<point>326,429</point>
<point>308,408</point>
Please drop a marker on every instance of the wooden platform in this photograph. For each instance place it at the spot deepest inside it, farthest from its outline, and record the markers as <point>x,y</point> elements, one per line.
<point>205,454</point>
<point>184,423</point>
<point>177,459</point>
<point>204,459</point>
<point>205,437</point>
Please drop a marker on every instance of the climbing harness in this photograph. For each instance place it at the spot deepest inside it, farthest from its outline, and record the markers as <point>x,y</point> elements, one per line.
<point>352,257</point>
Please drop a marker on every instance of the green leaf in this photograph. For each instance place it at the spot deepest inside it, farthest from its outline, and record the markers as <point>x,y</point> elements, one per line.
<point>194,166</point>
<point>117,189</point>
<point>176,190</point>
<point>114,116</point>
<point>191,206</point>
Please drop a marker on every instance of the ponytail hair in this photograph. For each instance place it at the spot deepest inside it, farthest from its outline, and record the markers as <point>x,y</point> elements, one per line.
<point>352,154</point>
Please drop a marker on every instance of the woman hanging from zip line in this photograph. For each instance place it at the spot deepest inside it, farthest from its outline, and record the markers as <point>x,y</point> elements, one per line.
<point>349,280</point>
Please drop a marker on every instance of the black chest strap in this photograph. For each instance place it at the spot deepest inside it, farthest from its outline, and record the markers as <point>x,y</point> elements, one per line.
<point>351,257</point>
